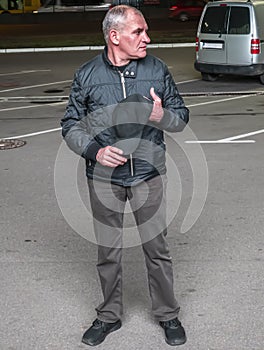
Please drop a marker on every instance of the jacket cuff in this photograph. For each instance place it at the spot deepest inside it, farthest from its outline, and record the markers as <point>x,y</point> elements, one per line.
<point>171,122</point>
<point>166,120</point>
<point>91,150</point>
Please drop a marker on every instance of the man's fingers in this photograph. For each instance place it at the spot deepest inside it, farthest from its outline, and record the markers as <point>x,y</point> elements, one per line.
<point>115,150</point>
<point>115,159</point>
<point>157,110</point>
<point>110,156</point>
<point>154,96</point>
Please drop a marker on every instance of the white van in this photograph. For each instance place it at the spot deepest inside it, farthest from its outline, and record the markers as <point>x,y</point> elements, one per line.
<point>230,39</point>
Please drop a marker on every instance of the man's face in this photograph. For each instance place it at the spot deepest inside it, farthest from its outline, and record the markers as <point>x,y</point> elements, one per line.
<point>133,37</point>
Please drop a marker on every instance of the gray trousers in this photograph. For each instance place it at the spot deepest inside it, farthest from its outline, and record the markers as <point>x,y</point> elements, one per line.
<point>148,203</point>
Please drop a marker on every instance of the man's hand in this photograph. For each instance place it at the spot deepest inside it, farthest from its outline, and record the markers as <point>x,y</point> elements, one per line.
<point>157,111</point>
<point>110,156</point>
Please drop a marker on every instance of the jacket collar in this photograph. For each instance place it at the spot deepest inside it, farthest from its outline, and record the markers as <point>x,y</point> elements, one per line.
<point>130,70</point>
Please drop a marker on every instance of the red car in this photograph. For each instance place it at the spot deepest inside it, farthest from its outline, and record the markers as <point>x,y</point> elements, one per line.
<point>186,10</point>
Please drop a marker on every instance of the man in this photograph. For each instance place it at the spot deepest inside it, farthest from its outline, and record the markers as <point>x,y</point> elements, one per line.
<point>141,88</point>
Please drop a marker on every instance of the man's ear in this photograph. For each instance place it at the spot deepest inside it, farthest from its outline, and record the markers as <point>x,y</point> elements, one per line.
<point>114,36</point>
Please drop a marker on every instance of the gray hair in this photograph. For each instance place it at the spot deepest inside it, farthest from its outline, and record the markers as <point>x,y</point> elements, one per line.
<point>116,18</point>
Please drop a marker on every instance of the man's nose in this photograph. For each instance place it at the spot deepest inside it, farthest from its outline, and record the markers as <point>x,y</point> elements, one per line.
<point>146,38</point>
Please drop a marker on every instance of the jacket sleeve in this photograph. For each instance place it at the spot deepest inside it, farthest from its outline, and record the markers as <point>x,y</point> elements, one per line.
<point>176,114</point>
<point>75,126</point>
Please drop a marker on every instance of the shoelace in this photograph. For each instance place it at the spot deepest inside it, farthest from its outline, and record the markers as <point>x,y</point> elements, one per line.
<point>100,324</point>
<point>172,323</point>
<point>97,323</point>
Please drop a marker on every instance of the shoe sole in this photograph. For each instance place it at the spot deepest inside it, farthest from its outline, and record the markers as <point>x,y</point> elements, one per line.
<point>181,342</point>
<point>115,328</point>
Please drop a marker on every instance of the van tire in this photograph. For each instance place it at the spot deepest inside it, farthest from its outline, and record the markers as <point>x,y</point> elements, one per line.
<point>261,78</point>
<point>183,17</point>
<point>209,76</point>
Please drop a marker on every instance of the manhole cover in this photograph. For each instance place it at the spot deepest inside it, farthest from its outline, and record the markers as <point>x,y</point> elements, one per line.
<point>10,144</point>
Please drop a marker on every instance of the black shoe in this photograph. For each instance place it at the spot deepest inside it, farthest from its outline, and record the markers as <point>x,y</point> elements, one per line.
<point>174,332</point>
<point>96,334</point>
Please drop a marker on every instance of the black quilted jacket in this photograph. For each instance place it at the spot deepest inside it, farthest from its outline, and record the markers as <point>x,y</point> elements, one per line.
<point>97,88</point>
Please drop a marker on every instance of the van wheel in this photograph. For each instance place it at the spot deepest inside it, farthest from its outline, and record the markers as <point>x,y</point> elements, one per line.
<point>209,76</point>
<point>183,17</point>
<point>261,78</point>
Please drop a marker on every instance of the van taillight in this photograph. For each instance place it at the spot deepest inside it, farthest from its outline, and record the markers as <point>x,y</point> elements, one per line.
<point>255,46</point>
<point>197,44</point>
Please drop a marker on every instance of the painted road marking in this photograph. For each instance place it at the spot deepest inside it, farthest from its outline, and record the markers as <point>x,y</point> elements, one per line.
<point>32,134</point>
<point>90,48</point>
<point>218,101</point>
<point>187,81</point>
<point>34,106</point>
<point>26,72</point>
<point>233,139</point>
<point>243,135</point>
<point>219,141</point>
<point>35,86</point>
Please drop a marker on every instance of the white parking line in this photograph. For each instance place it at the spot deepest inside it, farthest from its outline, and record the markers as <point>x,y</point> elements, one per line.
<point>186,81</point>
<point>232,139</point>
<point>243,135</point>
<point>32,106</point>
<point>89,48</point>
<point>35,86</point>
<point>220,141</point>
<point>218,101</point>
<point>32,134</point>
<point>25,72</point>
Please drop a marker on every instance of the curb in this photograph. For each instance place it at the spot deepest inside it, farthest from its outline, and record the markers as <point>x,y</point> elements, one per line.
<point>87,48</point>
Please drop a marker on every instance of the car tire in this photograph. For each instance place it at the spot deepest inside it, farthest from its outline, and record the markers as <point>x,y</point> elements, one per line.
<point>261,79</point>
<point>183,17</point>
<point>209,77</point>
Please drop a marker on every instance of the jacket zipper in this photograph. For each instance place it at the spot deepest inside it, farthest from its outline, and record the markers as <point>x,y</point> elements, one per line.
<point>125,95</point>
<point>123,83</point>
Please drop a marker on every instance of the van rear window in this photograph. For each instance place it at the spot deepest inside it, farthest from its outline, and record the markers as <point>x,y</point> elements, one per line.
<point>214,20</point>
<point>239,22</point>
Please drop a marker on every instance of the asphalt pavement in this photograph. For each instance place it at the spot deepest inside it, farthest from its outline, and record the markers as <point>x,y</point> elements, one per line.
<point>49,286</point>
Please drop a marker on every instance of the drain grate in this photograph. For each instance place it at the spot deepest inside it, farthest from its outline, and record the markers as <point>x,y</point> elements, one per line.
<point>11,143</point>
